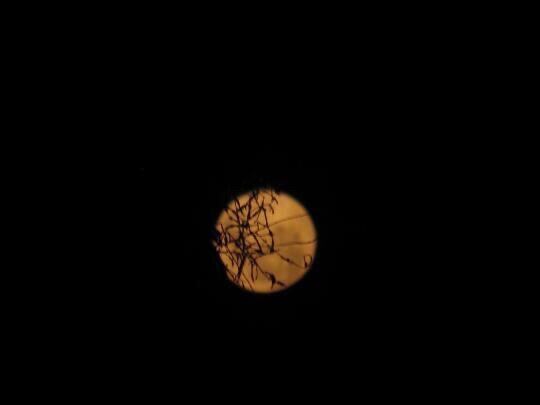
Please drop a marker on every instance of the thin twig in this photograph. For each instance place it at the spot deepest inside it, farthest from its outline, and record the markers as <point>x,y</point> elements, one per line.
<point>254,239</point>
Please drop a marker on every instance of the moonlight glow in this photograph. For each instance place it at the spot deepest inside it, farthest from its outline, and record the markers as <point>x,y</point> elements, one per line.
<point>267,241</point>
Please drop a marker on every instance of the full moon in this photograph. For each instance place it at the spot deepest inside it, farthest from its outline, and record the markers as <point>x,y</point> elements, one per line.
<point>266,240</point>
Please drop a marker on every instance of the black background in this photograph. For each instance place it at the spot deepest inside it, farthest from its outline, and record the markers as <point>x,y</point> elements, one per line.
<point>158,141</point>
<point>144,276</point>
<point>137,271</point>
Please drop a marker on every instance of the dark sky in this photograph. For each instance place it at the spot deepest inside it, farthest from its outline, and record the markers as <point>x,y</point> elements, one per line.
<point>365,149</point>
<point>137,272</point>
<point>155,270</point>
<point>139,263</point>
<point>369,129</point>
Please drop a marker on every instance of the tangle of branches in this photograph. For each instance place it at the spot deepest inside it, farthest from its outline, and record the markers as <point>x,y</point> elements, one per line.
<point>249,237</point>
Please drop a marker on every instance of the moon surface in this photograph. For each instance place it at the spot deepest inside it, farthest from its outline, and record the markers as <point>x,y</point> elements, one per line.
<point>267,241</point>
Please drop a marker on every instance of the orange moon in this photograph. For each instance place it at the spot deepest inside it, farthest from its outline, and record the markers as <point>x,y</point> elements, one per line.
<point>267,241</point>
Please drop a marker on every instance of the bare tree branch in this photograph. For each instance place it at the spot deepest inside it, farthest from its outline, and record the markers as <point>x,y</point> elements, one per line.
<point>297,243</point>
<point>253,239</point>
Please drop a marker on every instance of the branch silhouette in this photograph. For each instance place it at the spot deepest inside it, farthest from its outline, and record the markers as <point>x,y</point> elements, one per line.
<point>249,238</point>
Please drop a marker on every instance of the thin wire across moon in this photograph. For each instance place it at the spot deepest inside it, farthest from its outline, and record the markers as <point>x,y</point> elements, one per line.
<point>266,241</point>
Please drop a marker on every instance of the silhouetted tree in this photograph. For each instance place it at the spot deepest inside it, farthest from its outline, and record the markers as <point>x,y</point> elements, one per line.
<point>249,237</point>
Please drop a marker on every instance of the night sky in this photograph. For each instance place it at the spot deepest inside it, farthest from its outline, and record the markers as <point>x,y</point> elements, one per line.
<point>136,280</point>
<point>156,272</point>
<point>136,276</point>
<point>368,128</point>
